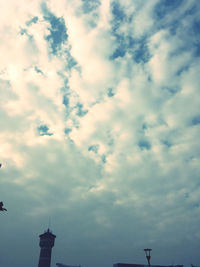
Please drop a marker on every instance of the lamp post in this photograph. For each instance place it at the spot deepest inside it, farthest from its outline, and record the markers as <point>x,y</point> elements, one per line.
<point>148,256</point>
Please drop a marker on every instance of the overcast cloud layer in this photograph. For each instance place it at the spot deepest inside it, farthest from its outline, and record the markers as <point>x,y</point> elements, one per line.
<point>99,130</point>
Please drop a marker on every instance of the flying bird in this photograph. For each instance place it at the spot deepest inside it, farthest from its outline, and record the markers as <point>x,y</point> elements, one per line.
<point>1,207</point>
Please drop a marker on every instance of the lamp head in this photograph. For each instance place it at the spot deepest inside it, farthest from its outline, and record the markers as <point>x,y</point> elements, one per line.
<point>147,253</point>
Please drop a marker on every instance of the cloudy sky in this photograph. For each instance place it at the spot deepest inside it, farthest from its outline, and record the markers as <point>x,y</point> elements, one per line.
<point>99,130</point>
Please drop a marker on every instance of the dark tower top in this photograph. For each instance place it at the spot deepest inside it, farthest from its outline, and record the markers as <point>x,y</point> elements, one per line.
<point>47,239</point>
<point>46,243</point>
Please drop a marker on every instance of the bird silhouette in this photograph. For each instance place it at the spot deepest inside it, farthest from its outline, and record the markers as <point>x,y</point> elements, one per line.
<point>1,207</point>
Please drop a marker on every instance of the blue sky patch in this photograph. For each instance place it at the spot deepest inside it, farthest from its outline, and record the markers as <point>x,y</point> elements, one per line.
<point>137,48</point>
<point>196,33</point>
<point>71,62</point>
<point>118,13</point>
<point>58,31</point>
<point>182,69</point>
<point>80,111</point>
<point>90,5</point>
<point>122,45</point>
<point>123,41</point>
<point>144,144</point>
<point>31,40</point>
<point>23,31</point>
<point>44,130</point>
<point>31,21</point>
<point>93,148</point>
<point>66,100</point>
<point>166,143</point>
<point>172,27</point>
<point>67,130</point>
<point>118,17</point>
<point>196,120</point>
<point>119,52</point>
<point>110,92</point>
<point>197,50</point>
<point>164,7</point>
<point>38,70</point>
<point>196,27</point>
<point>144,126</point>
<point>191,11</point>
<point>103,158</point>
<point>141,54</point>
<point>171,90</point>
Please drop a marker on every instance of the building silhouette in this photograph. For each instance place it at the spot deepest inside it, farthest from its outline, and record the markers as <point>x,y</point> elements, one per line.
<point>64,265</point>
<point>142,265</point>
<point>46,243</point>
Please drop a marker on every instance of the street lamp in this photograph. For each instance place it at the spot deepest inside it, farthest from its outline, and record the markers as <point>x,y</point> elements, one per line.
<point>147,253</point>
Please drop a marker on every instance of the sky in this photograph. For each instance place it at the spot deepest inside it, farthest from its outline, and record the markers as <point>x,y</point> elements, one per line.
<point>99,131</point>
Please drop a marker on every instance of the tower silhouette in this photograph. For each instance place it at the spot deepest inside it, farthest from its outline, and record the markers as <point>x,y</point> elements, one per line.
<point>46,244</point>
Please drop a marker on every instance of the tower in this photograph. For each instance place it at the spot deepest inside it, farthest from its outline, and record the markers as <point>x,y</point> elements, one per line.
<point>46,244</point>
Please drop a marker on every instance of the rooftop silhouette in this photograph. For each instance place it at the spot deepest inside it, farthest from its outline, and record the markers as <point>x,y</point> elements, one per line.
<point>47,240</point>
